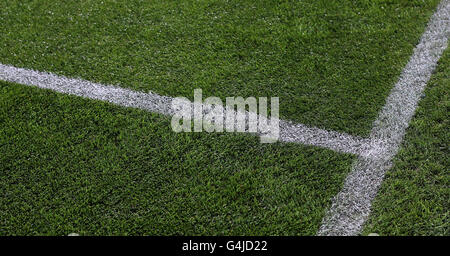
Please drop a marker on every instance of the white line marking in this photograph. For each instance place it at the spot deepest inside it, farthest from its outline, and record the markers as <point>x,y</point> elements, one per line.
<point>351,207</point>
<point>341,142</point>
<point>289,132</point>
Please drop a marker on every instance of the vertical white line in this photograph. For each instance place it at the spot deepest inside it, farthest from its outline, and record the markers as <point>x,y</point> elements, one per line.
<point>351,207</point>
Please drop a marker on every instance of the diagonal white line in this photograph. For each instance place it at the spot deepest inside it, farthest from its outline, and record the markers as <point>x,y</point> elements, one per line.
<point>289,132</point>
<point>351,207</point>
<point>341,142</point>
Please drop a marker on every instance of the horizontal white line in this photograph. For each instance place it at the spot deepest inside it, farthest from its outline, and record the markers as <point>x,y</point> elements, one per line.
<point>351,207</point>
<point>341,142</point>
<point>289,132</point>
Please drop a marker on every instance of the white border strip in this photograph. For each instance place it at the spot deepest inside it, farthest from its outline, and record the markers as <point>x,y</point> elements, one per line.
<point>289,132</point>
<point>351,207</point>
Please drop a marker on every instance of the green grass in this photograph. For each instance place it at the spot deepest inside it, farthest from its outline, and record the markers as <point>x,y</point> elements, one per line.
<point>415,196</point>
<point>313,54</point>
<point>69,164</point>
<point>75,165</point>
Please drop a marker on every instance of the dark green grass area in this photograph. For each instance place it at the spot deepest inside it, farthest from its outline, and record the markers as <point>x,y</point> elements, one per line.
<point>332,63</point>
<point>69,164</point>
<point>415,196</point>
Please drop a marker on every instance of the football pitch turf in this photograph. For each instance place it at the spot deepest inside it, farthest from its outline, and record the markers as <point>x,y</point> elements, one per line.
<point>70,164</point>
<point>314,55</point>
<point>415,196</point>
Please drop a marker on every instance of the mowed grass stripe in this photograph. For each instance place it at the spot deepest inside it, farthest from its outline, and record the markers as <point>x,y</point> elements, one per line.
<point>69,164</point>
<point>332,63</point>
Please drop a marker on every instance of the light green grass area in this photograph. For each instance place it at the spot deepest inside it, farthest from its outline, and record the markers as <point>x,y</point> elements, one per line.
<point>69,164</point>
<point>415,196</point>
<point>332,63</point>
